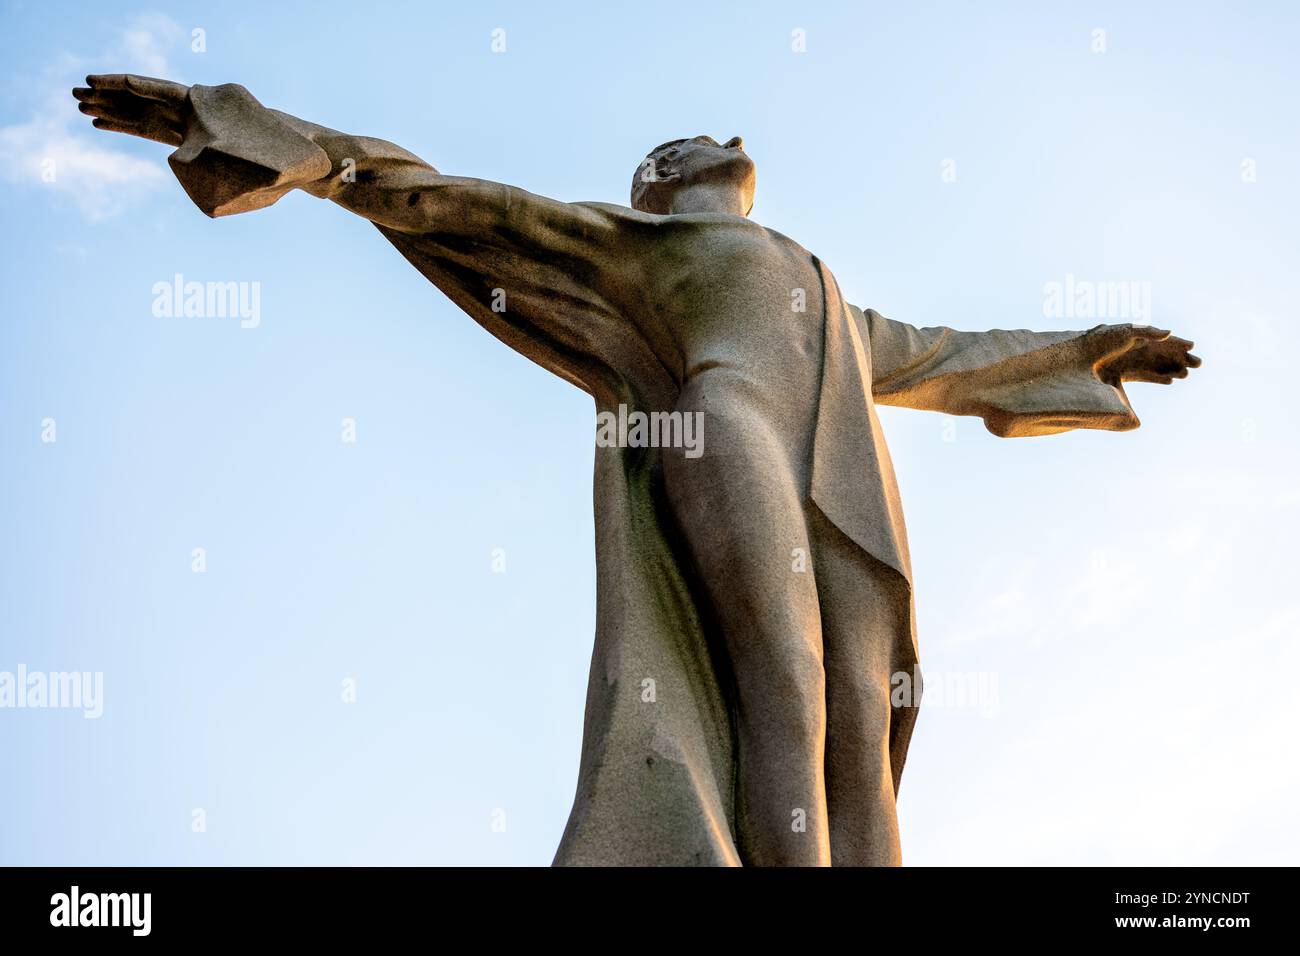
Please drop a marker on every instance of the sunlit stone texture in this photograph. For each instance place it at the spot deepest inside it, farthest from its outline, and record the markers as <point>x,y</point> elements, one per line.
<point>754,590</point>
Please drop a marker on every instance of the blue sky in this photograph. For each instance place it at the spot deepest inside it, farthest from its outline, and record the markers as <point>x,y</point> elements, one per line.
<point>1131,597</point>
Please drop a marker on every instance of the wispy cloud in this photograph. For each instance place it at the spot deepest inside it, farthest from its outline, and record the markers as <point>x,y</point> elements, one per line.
<point>146,40</point>
<point>57,149</point>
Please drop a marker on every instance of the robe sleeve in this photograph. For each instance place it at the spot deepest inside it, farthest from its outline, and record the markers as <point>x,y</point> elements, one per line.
<point>239,156</point>
<point>1021,383</point>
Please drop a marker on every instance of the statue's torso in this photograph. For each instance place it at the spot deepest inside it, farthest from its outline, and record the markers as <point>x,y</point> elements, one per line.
<point>739,311</point>
<point>744,309</point>
<point>731,292</point>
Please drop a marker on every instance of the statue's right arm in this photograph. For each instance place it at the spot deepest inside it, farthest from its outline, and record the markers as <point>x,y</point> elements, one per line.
<point>234,155</point>
<point>394,188</point>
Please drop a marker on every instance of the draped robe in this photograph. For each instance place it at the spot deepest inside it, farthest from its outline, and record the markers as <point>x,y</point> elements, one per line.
<point>656,783</point>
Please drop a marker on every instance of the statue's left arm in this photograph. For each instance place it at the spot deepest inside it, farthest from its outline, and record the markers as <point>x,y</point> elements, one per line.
<point>1020,382</point>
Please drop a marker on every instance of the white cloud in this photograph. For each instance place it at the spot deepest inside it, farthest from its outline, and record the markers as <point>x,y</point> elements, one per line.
<point>145,41</point>
<point>57,148</point>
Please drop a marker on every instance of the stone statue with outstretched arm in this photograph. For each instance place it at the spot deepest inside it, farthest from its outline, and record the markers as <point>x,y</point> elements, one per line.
<point>755,599</point>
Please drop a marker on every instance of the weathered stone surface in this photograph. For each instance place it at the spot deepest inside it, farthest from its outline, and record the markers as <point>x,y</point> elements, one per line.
<point>754,599</point>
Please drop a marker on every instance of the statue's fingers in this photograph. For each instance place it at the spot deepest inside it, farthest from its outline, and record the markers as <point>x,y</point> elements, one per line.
<point>1171,370</point>
<point>151,131</point>
<point>1155,378</point>
<point>1115,342</point>
<point>1193,361</point>
<point>1147,332</point>
<point>90,94</point>
<point>157,120</point>
<point>147,86</point>
<point>123,99</point>
<point>1112,341</point>
<point>162,133</point>
<point>109,111</point>
<point>106,81</point>
<point>172,113</point>
<point>117,126</point>
<point>156,89</point>
<point>1145,375</point>
<point>1174,353</point>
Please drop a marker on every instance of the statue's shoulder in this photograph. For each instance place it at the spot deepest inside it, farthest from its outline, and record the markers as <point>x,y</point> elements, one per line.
<point>628,222</point>
<point>717,237</point>
<point>621,213</point>
<point>692,221</point>
<point>740,232</point>
<point>711,230</point>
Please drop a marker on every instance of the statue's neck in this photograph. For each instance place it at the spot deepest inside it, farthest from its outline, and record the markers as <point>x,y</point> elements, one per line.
<point>709,197</point>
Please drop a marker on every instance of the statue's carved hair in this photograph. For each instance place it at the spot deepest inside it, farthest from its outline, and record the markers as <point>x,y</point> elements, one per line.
<point>651,189</point>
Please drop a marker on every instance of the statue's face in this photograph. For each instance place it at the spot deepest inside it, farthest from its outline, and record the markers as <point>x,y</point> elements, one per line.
<point>690,162</point>
<point>703,159</point>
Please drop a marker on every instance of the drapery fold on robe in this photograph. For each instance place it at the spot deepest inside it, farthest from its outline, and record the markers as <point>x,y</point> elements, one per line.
<point>656,775</point>
<point>656,778</point>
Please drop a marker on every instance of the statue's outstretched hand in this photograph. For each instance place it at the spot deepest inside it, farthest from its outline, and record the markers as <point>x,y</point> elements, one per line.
<point>1139,353</point>
<point>140,105</point>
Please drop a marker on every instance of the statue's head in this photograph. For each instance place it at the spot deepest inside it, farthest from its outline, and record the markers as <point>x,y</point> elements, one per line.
<point>686,164</point>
